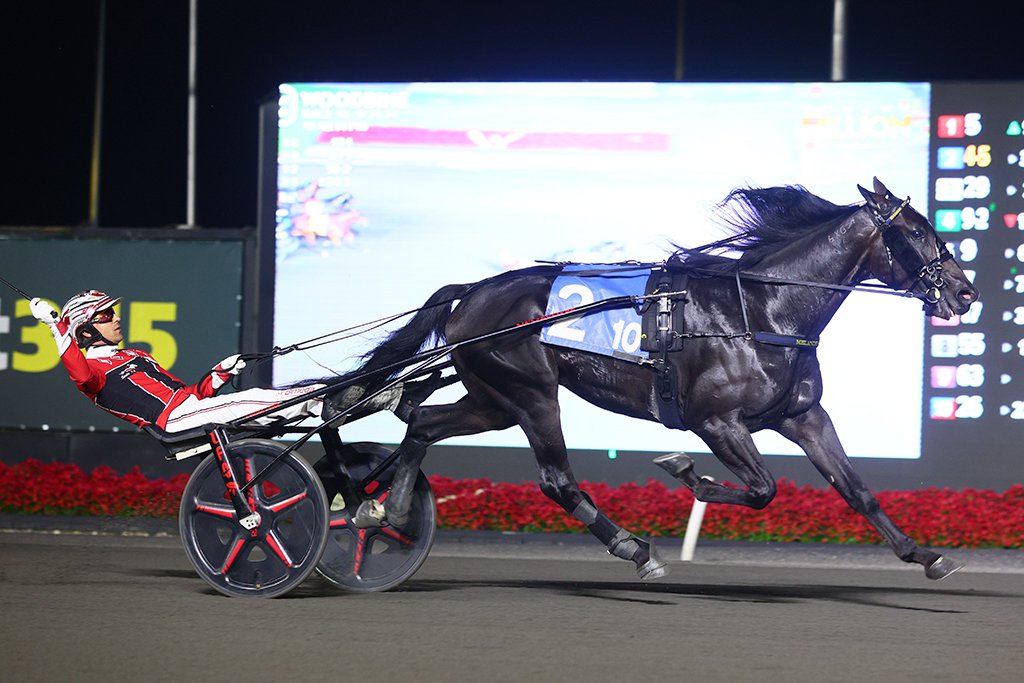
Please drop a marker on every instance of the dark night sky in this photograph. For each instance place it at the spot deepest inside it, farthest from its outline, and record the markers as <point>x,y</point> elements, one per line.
<point>247,47</point>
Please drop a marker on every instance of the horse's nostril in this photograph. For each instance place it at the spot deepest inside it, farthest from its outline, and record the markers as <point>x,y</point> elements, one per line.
<point>968,294</point>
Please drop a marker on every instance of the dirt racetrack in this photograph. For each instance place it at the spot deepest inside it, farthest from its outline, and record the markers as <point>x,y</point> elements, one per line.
<point>112,607</point>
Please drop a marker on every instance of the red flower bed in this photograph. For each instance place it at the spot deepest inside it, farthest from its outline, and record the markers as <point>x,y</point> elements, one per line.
<point>63,489</point>
<point>934,517</point>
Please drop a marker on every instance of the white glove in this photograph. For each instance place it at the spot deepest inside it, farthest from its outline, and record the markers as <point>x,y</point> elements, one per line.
<point>222,371</point>
<point>47,314</point>
<point>43,311</point>
<point>232,365</point>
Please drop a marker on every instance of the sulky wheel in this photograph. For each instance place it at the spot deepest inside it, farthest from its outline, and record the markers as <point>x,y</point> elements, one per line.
<point>283,550</point>
<point>374,559</point>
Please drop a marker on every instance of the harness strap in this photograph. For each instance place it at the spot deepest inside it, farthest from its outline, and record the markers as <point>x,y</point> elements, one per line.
<point>667,383</point>
<point>785,340</point>
<point>743,305</point>
<point>607,268</point>
<point>866,287</point>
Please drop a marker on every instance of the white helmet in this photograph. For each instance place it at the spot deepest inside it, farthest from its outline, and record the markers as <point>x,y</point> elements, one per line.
<point>79,312</point>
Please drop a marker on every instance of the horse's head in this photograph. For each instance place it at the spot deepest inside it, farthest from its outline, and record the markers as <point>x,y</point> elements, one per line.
<point>916,259</point>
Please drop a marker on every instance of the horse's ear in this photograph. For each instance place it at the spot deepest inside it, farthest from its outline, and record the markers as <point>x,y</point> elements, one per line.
<point>870,197</point>
<point>880,188</point>
<point>876,202</point>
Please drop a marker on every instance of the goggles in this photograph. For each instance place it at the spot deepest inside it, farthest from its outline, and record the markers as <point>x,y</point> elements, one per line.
<point>104,316</point>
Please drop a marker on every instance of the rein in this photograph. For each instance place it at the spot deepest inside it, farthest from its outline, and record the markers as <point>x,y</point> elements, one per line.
<point>896,245</point>
<point>867,287</point>
<point>615,302</point>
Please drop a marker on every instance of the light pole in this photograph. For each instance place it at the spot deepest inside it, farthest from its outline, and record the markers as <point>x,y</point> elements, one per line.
<point>97,121</point>
<point>190,179</point>
<point>839,40</point>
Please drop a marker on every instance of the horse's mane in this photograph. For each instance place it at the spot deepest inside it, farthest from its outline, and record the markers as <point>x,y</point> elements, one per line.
<point>763,220</point>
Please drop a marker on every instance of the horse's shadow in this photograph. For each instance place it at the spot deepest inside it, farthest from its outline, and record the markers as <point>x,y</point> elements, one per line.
<point>671,593</point>
<point>656,594</point>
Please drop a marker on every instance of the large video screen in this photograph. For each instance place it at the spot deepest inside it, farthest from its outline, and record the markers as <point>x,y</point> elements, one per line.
<point>388,191</point>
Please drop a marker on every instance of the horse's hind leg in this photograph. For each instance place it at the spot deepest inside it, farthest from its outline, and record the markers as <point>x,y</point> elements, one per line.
<point>428,425</point>
<point>472,415</point>
<point>814,433</point>
<point>540,421</point>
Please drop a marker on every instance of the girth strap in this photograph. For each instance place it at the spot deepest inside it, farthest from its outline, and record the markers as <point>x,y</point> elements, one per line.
<point>662,318</point>
<point>667,386</point>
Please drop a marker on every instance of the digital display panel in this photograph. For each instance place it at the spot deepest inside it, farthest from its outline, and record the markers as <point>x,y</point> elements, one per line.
<point>974,384</point>
<point>388,191</point>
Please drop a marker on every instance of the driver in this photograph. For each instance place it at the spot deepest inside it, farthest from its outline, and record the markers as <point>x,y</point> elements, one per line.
<point>131,385</point>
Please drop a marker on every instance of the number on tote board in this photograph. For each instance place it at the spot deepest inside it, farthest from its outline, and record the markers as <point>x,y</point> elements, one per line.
<point>143,317</point>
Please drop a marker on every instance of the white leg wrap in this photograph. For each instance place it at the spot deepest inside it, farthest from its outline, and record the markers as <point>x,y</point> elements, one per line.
<point>623,546</point>
<point>386,400</point>
<point>585,512</point>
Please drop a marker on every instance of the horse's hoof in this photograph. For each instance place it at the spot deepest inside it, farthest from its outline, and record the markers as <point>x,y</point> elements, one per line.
<point>654,568</point>
<point>676,464</point>
<point>370,515</point>
<point>652,573</point>
<point>941,568</point>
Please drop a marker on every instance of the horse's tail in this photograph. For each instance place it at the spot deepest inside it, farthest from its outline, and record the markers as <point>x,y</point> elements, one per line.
<point>426,326</point>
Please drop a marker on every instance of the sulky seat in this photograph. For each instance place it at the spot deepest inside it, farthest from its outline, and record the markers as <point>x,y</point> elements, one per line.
<point>183,444</point>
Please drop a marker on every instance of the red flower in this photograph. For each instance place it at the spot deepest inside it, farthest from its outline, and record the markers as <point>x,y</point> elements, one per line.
<point>933,517</point>
<point>61,488</point>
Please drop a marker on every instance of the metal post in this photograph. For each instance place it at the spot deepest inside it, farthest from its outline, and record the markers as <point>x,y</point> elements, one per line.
<point>680,23</point>
<point>839,40</point>
<point>190,181</point>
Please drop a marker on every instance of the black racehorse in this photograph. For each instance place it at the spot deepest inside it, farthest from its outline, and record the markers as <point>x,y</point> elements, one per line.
<point>728,384</point>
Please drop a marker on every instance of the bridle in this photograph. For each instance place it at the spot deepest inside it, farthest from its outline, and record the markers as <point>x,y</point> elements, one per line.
<point>898,248</point>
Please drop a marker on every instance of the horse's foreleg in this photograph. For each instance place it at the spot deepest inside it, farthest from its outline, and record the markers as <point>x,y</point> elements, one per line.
<point>732,444</point>
<point>814,433</point>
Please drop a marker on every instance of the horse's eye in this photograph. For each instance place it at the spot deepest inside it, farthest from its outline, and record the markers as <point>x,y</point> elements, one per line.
<point>917,234</point>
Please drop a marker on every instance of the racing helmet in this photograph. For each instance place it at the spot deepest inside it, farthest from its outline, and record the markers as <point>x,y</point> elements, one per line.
<point>79,312</point>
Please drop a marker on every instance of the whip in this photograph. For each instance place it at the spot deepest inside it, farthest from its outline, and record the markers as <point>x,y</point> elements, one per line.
<point>19,290</point>
<point>16,289</point>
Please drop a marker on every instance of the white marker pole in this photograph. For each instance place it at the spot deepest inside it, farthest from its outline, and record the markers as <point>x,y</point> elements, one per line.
<point>693,528</point>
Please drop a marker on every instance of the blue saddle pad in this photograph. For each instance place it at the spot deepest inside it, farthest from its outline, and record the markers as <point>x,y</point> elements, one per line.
<point>612,332</point>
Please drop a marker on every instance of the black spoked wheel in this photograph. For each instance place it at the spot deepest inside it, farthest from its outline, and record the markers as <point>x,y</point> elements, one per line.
<point>375,559</point>
<point>283,550</point>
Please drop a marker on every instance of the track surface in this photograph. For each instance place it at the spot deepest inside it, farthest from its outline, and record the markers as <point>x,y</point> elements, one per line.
<point>110,607</point>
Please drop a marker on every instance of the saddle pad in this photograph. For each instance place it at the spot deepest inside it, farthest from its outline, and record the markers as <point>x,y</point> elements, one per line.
<point>614,332</point>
